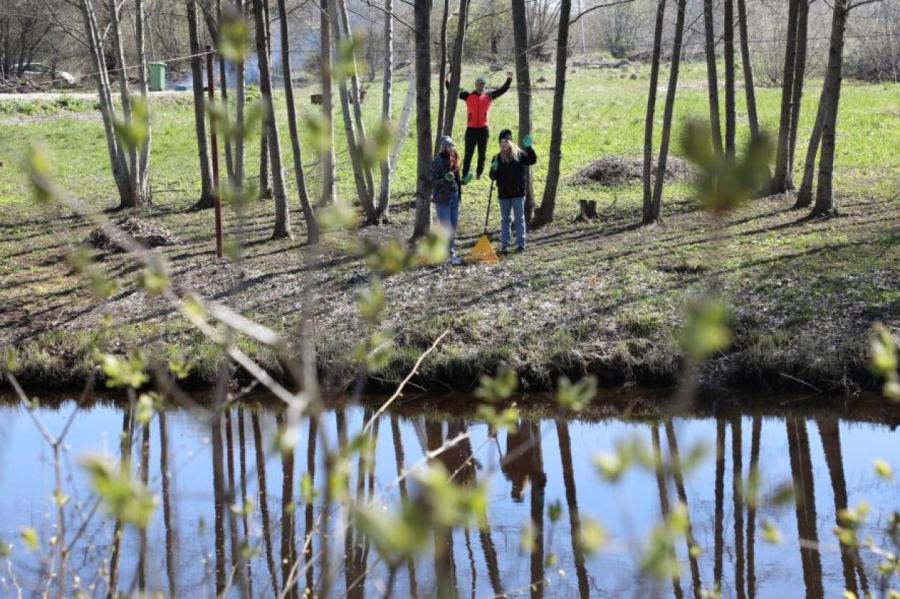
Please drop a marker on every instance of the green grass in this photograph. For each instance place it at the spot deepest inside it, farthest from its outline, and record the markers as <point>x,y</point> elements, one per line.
<point>603,297</point>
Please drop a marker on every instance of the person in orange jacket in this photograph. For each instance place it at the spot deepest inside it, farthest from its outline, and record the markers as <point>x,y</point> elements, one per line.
<point>478,104</point>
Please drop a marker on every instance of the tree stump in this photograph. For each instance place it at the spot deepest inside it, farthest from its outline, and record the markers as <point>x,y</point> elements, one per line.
<point>587,211</point>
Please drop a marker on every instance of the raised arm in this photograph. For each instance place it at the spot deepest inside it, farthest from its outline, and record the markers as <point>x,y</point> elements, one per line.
<point>503,88</point>
<point>530,157</point>
<point>462,95</point>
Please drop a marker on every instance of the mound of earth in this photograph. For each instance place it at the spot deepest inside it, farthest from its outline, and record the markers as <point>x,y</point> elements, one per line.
<point>146,233</point>
<point>611,171</point>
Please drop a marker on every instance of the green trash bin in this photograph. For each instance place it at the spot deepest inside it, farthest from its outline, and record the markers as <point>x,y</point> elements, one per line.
<point>157,76</point>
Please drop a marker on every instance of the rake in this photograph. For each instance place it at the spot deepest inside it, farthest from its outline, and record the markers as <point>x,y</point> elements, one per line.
<point>483,252</point>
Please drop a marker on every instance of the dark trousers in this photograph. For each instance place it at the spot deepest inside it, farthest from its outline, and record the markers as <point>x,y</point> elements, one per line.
<point>475,137</point>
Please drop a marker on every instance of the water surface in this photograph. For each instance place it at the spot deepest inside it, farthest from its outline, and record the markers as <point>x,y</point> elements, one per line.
<point>188,550</point>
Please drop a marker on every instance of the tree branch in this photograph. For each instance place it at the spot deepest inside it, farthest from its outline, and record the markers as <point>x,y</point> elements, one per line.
<point>614,3</point>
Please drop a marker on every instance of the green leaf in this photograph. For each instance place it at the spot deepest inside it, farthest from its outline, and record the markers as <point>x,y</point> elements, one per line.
<point>883,469</point>
<point>337,217</point>
<point>705,331</point>
<point>123,498</point>
<point>5,549</point>
<point>123,372</point>
<point>591,537</point>
<point>576,396</point>
<point>506,419</point>
<point>37,166</point>
<point>307,490</point>
<point>499,388</point>
<point>371,302</point>
<point>233,36</point>
<point>432,249</point>
<point>152,280</point>
<point>29,536</point>
<point>770,533</point>
<point>554,511</point>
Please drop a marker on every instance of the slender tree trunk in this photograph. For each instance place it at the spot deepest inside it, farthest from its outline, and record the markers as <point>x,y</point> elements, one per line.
<point>353,144</point>
<point>737,483</point>
<point>384,195</point>
<point>329,188</point>
<point>651,114</point>
<point>459,43</point>
<point>712,77</point>
<point>523,88</point>
<point>656,207</point>
<point>799,77</point>
<point>719,508</point>
<point>288,551</point>
<point>107,109</point>
<point>265,190</point>
<point>262,488</point>
<point>143,170</point>
<point>825,203</point>
<point>805,193</point>
<point>422,23</point>
<point>443,97</point>
<point>131,199</point>
<point>240,100</point>
<point>282,214</point>
<point>805,501</point>
<point>681,490</point>
<point>312,228</point>
<point>207,200</point>
<point>781,177</point>
<point>747,62</point>
<point>565,454</point>
<point>165,475</point>
<point>356,104</point>
<point>664,507</point>
<point>223,85</point>
<point>219,503</point>
<point>544,214</point>
<point>728,41</point>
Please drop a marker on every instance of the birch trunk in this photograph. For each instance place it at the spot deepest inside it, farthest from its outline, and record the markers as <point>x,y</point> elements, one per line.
<point>384,196</point>
<point>648,217</point>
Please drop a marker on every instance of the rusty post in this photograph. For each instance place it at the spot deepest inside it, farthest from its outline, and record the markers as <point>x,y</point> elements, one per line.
<point>214,151</point>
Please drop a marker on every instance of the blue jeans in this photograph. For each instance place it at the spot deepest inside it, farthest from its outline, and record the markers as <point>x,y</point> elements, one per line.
<point>517,207</point>
<point>448,216</point>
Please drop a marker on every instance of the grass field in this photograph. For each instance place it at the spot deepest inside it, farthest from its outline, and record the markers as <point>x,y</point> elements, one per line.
<point>605,297</point>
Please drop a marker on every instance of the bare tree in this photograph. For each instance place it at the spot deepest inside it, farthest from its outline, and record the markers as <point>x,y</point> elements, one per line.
<point>442,76</point>
<point>282,214</point>
<point>312,228</point>
<point>329,187</point>
<point>422,23</point>
<point>831,95</point>
<point>747,63</point>
<point>384,196</point>
<point>523,89</point>
<point>712,79</point>
<point>544,214</point>
<point>650,116</point>
<point>781,179</point>
<point>728,41</point>
<point>456,66</point>
<point>542,20</point>
<point>655,209</point>
<point>207,199</point>
<point>805,193</point>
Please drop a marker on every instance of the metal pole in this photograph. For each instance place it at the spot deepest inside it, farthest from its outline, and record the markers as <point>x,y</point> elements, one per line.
<point>214,150</point>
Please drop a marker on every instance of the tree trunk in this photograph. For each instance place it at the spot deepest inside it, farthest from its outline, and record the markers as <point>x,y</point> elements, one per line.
<point>804,195</point>
<point>353,142</point>
<point>647,217</point>
<point>712,78</point>
<point>423,118</point>
<point>132,198</point>
<point>456,67</point>
<point>107,109</point>
<point>282,214</point>
<point>384,196</point>
<point>544,214</point>
<point>656,206</point>
<point>523,89</point>
<point>207,200</point>
<point>240,100</point>
<point>825,204</point>
<point>405,116</point>
<point>312,228</point>
<point>443,97</point>
<point>728,40</point>
<point>265,191</point>
<point>223,85</point>
<point>747,62</point>
<point>143,170</point>
<point>356,103</point>
<point>780,178</point>
<point>329,188</point>
<point>797,94</point>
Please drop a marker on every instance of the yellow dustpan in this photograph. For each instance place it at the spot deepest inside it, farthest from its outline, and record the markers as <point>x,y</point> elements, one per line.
<point>483,252</point>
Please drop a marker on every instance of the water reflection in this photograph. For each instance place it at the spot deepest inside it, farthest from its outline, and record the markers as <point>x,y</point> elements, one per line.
<point>202,470</point>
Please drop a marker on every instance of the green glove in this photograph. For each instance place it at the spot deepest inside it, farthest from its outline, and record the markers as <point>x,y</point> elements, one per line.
<point>448,177</point>
<point>527,141</point>
<point>495,165</point>
<point>467,179</point>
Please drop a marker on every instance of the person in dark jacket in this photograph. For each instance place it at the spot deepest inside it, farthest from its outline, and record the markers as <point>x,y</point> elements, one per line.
<point>478,104</point>
<point>447,190</point>
<point>510,170</point>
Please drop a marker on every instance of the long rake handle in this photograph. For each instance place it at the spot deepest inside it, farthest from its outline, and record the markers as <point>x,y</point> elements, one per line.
<point>487,216</point>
